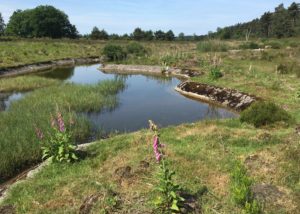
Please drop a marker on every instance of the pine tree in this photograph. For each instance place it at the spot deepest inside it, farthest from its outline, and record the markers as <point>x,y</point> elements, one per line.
<point>265,22</point>
<point>294,12</point>
<point>2,25</point>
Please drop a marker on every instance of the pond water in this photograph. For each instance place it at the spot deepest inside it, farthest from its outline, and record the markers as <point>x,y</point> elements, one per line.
<point>144,98</point>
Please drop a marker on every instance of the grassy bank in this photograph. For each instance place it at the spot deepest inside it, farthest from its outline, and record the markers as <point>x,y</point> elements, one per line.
<point>202,154</point>
<point>19,147</point>
<point>21,52</point>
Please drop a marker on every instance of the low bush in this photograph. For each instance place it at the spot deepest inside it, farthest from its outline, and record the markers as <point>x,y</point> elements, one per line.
<point>212,46</point>
<point>215,73</point>
<point>264,113</point>
<point>249,45</point>
<point>114,52</point>
<point>136,49</point>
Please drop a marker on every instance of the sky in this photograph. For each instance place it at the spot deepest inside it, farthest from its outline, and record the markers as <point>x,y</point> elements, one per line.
<point>123,16</point>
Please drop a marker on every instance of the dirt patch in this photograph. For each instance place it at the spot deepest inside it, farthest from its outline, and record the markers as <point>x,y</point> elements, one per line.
<point>88,203</point>
<point>226,97</point>
<point>7,209</point>
<point>263,165</point>
<point>273,198</point>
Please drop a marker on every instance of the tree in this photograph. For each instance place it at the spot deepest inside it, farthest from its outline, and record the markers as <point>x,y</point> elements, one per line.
<point>281,24</point>
<point>169,36</point>
<point>149,35</point>
<point>97,34</point>
<point>294,12</point>
<point>159,35</point>
<point>2,25</point>
<point>138,34</point>
<point>42,21</point>
<point>265,22</point>
<point>181,37</point>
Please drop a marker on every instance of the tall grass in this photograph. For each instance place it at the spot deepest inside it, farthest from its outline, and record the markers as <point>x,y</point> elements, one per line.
<point>25,83</point>
<point>19,147</point>
<point>212,46</point>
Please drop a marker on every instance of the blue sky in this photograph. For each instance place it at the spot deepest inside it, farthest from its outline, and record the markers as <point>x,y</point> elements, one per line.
<point>122,16</point>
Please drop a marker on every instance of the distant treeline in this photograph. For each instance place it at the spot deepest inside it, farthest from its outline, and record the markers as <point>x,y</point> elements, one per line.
<point>283,22</point>
<point>47,21</point>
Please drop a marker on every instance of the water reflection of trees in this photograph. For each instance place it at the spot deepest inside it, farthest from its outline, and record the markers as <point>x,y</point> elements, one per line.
<point>3,99</point>
<point>59,73</point>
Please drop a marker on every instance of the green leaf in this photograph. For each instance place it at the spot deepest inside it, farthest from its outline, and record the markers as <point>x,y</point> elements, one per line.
<point>175,206</point>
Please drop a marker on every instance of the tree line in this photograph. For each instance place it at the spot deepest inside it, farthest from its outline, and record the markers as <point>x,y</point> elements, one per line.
<point>283,22</point>
<point>138,34</point>
<point>47,21</point>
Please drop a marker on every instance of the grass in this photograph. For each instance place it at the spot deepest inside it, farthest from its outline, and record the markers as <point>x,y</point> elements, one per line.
<point>199,159</point>
<point>19,146</point>
<point>25,83</point>
<point>20,52</point>
<point>202,154</point>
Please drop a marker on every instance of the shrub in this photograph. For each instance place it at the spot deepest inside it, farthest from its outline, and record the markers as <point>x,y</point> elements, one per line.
<point>264,113</point>
<point>249,45</point>
<point>215,73</point>
<point>114,52</point>
<point>136,49</point>
<point>212,46</point>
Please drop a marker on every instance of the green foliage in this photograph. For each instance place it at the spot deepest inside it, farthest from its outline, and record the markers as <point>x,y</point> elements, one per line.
<point>212,46</point>
<point>215,73</point>
<point>249,45</point>
<point>240,185</point>
<point>252,208</point>
<point>280,23</point>
<point>136,49</point>
<point>2,25</point>
<point>170,200</point>
<point>59,148</point>
<point>114,52</point>
<point>161,36</point>
<point>264,113</point>
<point>42,21</point>
<point>240,188</point>
<point>97,34</point>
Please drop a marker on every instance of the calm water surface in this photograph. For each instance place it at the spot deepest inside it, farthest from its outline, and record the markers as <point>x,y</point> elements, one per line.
<point>145,97</point>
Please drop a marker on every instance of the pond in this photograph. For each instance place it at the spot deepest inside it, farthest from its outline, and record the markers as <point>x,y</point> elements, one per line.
<point>144,98</point>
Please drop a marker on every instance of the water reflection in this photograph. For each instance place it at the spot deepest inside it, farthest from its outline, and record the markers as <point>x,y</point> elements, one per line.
<point>59,73</point>
<point>144,98</point>
<point>7,98</point>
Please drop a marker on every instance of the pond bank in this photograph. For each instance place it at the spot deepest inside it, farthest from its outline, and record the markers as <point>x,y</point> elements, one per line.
<point>42,66</point>
<point>148,69</point>
<point>230,98</point>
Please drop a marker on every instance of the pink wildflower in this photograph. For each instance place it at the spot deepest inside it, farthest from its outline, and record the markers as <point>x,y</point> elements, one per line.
<point>60,122</point>
<point>156,147</point>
